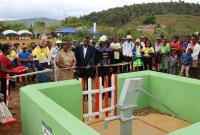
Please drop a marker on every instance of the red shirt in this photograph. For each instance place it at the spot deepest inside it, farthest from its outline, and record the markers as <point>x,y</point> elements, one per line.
<point>174,45</point>
<point>4,59</point>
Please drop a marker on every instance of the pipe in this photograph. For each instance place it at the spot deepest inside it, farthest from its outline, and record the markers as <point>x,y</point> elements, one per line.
<point>151,96</point>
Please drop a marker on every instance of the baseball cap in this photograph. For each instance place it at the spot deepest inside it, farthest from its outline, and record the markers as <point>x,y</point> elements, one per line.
<point>103,38</point>
<point>16,43</point>
<point>58,42</point>
<point>23,46</point>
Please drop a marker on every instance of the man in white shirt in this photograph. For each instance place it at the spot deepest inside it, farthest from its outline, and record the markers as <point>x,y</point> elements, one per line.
<point>127,52</point>
<point>54,51</point>
<point>116,47</point>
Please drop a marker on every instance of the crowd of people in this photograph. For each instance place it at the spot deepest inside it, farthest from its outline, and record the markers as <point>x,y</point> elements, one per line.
<point>88,59</point>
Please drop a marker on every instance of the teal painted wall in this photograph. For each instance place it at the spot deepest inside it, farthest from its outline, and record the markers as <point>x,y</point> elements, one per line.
<point>54,103</point>
<point>191,130</point>
<point>50,102</point>
<point>179,93</point>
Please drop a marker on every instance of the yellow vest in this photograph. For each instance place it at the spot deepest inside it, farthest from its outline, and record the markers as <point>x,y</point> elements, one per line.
<point>41,54</point>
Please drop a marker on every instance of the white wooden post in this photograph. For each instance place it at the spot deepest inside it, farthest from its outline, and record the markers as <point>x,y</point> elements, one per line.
<point>112,93</point>
<point>100,96</point>
<point>89,97</point>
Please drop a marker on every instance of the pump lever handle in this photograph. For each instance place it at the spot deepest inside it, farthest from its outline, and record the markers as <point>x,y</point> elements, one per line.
<point>110,119</point>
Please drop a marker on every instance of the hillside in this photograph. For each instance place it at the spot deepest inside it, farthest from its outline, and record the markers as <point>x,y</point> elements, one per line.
<point>171,19</point>
<point>28,22</point>
<point>119,16</point>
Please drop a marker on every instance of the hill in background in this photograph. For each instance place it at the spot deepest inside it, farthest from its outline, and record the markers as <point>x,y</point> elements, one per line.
<point>119,16</point>
<point>48,21</point>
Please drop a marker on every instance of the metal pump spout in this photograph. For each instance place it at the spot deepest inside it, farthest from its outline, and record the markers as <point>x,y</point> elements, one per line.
<point>110,119</point>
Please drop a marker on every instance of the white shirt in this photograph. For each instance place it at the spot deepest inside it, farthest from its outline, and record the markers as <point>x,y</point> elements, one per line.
<point>127,48</point>
<point>84,51</point>
<point>196,50</point>
<point>138,51</point>
<point>143,44</point>
<point>54,52</point>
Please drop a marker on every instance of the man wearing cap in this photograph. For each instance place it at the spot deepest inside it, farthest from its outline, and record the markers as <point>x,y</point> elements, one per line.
<point>24,58</point>
<point>16,44</point>
<point>54,51</point>
<point>41,58</point>
<point>127,52</point>
<point>104,57</point>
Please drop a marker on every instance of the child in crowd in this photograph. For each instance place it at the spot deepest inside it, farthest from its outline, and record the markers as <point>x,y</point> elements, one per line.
<point>186,59</point>
<point>138,64</point>
<point>148,52</point>
<point>173,62</point>
<point>164,51</point>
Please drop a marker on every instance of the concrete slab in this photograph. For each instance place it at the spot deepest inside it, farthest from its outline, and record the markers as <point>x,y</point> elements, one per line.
<point>163,122</point>
<point>153,124</point>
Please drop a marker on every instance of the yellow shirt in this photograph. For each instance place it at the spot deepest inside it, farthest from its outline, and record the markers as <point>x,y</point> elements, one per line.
<point>50,50</point>
<point>0,52</point>
<point>42,54</point>
<point>147,50</point>
<point>12,56</point>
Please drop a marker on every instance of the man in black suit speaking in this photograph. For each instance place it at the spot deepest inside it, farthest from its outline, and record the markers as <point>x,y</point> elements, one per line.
<point>85,55</point>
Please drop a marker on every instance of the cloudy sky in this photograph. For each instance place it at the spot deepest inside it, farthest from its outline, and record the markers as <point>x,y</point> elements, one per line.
<point>59,9</point>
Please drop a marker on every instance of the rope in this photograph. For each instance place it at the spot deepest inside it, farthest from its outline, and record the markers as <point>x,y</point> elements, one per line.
<point>51,70</point>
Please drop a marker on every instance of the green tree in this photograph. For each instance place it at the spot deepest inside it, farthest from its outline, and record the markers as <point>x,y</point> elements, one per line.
<point>40,24</point>
<point>150,20</point>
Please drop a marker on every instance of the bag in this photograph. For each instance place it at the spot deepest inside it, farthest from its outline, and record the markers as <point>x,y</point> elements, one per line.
<point>4,113</point>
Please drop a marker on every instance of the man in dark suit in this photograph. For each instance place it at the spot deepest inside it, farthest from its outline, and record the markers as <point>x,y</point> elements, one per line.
<point>85,55</point>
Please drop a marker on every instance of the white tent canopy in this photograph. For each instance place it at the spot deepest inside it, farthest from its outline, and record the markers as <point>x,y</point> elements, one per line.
<point>9,32</point>
<point>24,32</point>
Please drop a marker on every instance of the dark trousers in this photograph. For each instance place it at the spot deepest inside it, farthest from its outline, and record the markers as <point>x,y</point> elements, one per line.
<point>85,75</point>
<point>120,67</point>
<point>3,88</point>
<point>115,69</point>
<point>94,73</point>
<point>103,72</point>
<point>127,59</point>
<point>147,61</point>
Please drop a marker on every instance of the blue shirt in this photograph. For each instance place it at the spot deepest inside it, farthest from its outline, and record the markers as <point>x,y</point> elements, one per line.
<point>185,44</point>
<point>186,58</point>
<point>25,55</point>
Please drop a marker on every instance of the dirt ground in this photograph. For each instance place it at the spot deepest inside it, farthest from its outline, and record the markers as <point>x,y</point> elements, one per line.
<point>14,128</point>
